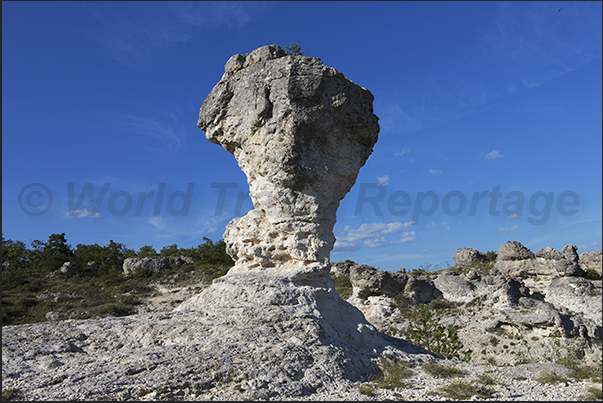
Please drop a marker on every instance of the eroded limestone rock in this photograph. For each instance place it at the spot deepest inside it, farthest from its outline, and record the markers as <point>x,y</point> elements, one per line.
<point>591,261</point>
<point>514,259</point>
<point>467,256</point>
<point>300,131</point>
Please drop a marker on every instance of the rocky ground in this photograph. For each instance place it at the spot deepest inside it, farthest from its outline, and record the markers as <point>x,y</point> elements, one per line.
<point>122,359</point>
<point>536,337</point>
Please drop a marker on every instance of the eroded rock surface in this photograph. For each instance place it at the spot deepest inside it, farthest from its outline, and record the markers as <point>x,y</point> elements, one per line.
<point>466,256</point>
<point>514,259</point>
<point>534,306</point>
<point>300,131</point>
<point>155,264</point>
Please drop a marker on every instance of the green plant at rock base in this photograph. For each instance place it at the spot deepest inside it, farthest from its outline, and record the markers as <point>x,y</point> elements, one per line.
<point>591,274</point>
<point>595,393</point>
<point>462,390</point>
<point>442,371</point>
<point>551,378</point>
<point>343,286</point>
<point>11,394</point>
<point>486,379</point>
<point>366,389</point>
<point>424,331</point>
<point>393,371</point>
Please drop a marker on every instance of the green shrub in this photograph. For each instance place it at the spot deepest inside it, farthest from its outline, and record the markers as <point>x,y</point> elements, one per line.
<point>115,309</point>
<point>294,49</point>
<point>491,256</point>
<point>11,394</point>
<point>551,378</point>
<point>486,379</point>
<point>32,285</point>
<point>592,372</point>
<point>442,371</point>
<point>463,390</point>
<point>591,274</point>
<point>343,286</point>
<point>595,393</point>
<point>441,304</point>
<point>140,273</point>
<point>393,372</point>
<point>424,331</point>
<point>366,389</point>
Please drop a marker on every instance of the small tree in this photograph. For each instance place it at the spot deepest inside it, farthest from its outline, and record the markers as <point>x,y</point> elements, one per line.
<point>425,331</point>
<point>170,250</point>
<point>146,251</point>
<point>294,49</point>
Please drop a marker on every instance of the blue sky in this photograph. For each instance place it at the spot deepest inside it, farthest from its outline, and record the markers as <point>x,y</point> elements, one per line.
<point>490,117</point>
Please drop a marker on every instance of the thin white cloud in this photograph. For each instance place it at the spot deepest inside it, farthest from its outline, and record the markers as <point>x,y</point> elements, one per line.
<point>372,235</point>
<point>158,222</point>
<point>170,136</point>
<point>383,180</point>
<point>396,119</point>
<point>522,46</point>
<point>408,236</point>
<point>535,43</point>
<point>508,229</point>
<point>81,213</point>
<point>593,247</point>
<point>493,155</point>
<point>133,32</point>
<point>402,153</point>
<point>434,171</point>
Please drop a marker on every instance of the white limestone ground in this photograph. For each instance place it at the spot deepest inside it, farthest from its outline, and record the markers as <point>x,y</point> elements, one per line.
<point>184,356</point>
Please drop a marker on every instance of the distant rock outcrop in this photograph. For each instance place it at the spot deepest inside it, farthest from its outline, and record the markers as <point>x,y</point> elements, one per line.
<point>467,256</point>
<point>535,305</point>
<point>155,264</point>
<point>516,260</point>
<point>591,261</point>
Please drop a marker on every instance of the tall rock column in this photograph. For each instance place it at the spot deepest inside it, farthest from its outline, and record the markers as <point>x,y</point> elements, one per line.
<point>300,132</point>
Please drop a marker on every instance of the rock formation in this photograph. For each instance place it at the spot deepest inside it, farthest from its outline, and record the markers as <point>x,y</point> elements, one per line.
<point>466,256</point>
<point>300,131</point>
<point>274,327</point>
<point>155,264</point>
<point>516,260</point>
<point>533,305</point>
<point>591,261</point>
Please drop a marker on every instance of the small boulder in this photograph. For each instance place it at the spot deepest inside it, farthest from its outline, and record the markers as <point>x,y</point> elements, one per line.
<point>591,261</point>
<point>514,250</point>
<point>467,256</point>
<point>67,269</point>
